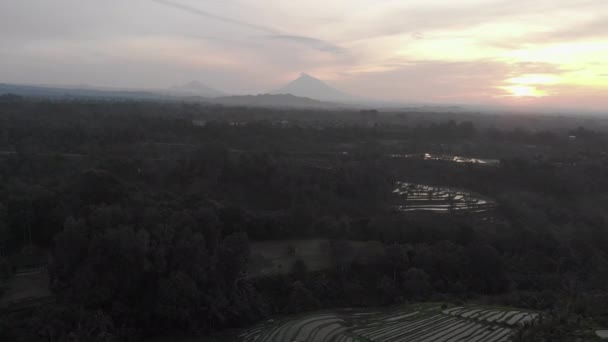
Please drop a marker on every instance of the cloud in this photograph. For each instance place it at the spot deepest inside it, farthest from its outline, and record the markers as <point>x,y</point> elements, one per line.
<point>397,20</point>
<point>307,41</point>
<point>224,42</point>
<point>485,65</point>
<point>597,28</point>
<point>536,68</point>
<point>430,80</point>
<point>477,81</point>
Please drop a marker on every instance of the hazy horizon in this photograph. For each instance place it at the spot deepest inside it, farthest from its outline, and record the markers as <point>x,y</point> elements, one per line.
<point>497,52</point>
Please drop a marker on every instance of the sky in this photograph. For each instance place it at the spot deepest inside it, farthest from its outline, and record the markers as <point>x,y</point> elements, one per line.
<point>551,53</point>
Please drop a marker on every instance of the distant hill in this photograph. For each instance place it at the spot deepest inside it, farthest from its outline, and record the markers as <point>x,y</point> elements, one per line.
<point>196,88</point>
<point>193,91</point>
<point>66,92</point>
<point>10,98</point>
<point>270,100</point>
<point>311,87</point>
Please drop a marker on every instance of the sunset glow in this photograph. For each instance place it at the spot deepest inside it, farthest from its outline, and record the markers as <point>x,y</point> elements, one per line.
<point>473,51</point>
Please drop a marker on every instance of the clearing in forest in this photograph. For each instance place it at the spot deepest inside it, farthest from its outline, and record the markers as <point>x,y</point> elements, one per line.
<point>26,289</point>
<point>279,256</point>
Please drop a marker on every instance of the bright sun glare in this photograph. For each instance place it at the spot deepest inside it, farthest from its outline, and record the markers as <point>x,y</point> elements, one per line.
<point>525,85</point>
<point>524,91</point>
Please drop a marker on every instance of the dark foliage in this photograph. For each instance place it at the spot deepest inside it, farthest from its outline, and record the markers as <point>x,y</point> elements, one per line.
<point>148,210</point>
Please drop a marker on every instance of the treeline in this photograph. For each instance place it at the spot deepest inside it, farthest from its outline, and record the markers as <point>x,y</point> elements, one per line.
<point>88,127</point>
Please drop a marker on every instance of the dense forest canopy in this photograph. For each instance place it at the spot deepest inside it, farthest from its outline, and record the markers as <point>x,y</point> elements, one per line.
<point>146,213</point>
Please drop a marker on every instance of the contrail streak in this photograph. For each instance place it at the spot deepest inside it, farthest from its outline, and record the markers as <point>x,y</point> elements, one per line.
<point>271,33</point>
<point>209,15</point>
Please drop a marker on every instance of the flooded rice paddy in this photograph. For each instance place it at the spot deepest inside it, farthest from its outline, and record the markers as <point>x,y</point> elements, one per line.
<point>440,200</point>
<point>449,158</point>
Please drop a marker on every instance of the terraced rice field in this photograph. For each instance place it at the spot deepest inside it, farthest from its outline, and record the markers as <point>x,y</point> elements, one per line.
<point>441,200</point>
<point>422,323</point>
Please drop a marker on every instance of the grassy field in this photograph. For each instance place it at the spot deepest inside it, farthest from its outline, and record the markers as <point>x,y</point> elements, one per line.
<point>423,323</point>
<point>276,257</point>
<point>26,286</point>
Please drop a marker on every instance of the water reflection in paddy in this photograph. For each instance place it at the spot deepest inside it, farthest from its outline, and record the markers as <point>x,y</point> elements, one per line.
<point>425,198</point>
<point>448,158</point>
